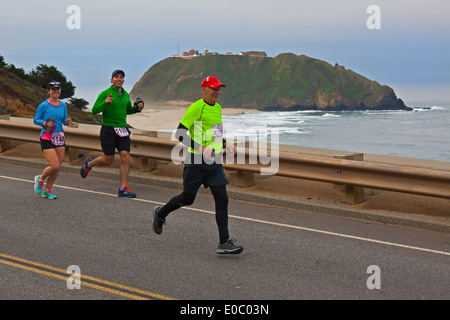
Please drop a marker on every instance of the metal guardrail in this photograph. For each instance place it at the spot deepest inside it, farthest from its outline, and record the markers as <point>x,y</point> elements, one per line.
<point>355,175</point>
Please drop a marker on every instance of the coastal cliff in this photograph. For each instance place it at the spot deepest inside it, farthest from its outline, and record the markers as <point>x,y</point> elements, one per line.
<point>284,82</point>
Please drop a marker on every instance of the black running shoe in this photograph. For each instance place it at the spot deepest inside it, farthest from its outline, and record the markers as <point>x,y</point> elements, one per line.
<point>157,221</point>
<point>229,248</point>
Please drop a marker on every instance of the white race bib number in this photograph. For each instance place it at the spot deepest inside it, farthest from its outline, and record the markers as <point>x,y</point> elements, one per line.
<point>58,139</point>
<point>121,132</point>
<point>218,132</point>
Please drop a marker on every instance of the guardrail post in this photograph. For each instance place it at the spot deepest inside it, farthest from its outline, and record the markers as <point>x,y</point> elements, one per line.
<point>5,144</point>
<point>353,194</point>
<point>147,164</point>
<point>245,179</point>
<point>71,152</point>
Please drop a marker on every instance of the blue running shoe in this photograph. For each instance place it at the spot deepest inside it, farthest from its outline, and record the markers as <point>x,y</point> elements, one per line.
<point>125,192</point>
<point>49,194</point>
<point>38,183</point>
<point>85,168</point>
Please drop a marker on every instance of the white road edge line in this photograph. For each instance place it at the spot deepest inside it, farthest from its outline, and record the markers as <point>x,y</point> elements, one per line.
<point>257,220</point>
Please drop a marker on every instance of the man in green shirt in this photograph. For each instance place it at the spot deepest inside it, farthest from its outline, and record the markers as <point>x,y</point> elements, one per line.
<point>114,104</point>
<point>203,121</point>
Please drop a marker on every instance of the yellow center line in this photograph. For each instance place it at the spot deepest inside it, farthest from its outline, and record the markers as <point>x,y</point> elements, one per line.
<point>17,264</point>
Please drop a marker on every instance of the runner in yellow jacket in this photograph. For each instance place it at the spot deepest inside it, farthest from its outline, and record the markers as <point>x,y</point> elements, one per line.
<point>203,121</point>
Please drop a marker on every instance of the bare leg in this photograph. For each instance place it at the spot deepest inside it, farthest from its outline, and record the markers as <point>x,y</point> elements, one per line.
<point>104,160</point>
<point>55,158</point>
<point>124,168</point>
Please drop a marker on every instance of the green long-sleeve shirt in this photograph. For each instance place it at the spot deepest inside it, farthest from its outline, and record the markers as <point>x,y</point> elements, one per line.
<point>115,113</point>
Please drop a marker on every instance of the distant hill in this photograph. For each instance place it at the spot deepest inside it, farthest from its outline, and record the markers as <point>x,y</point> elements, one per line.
<point>20,98</point>
<point>284,82</point>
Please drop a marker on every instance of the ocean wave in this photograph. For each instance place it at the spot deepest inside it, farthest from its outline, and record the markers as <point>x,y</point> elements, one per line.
<point>332,115</point>
<point>426,108</point>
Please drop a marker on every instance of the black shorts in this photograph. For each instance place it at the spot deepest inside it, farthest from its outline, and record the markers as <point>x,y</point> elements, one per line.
<point>111,141</point>
<point>194,175</point>
<point>47,144</point>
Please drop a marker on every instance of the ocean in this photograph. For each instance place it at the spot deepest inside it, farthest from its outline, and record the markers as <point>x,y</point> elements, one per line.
<point>423,133</point>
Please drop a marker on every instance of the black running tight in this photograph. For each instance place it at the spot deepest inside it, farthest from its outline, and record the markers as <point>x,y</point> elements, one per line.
<point>221,205</point>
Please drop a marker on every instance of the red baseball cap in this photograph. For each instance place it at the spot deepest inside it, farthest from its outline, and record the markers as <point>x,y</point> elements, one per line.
<point>212,82</point>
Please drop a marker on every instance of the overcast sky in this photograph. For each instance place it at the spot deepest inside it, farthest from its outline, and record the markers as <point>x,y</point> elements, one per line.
<point>410,52</point>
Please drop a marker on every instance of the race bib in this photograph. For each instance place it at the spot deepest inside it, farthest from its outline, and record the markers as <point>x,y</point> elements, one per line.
<point>121,132</point>
<point>218,132</point>
<point>58,139</point>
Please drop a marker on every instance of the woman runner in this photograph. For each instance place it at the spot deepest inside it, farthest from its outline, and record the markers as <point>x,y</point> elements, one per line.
<point>51,115</point>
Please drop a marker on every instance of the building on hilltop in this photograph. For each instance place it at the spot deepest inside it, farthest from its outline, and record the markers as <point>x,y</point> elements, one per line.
<point>207,52</point>
<point>338,67</point>
<point>194,53</point>
<point>191,52</point>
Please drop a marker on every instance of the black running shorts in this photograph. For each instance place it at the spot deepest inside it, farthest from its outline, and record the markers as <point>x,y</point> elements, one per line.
<point>194,175</point>
<point>47,144</point>
<point>111,141</point>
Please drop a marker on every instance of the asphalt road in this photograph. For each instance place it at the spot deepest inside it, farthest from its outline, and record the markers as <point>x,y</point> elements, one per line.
<point>288,254</point>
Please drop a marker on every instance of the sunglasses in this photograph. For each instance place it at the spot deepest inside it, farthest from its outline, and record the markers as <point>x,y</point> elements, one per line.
<point>54,84</point>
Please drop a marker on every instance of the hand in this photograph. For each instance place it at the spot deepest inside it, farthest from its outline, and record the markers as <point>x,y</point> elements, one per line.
<point>109,99</point>
<point>50,123</point>
<point>230,149</point>
<point>68,121</point>
<point>207,152</point>
<point>141,105</point>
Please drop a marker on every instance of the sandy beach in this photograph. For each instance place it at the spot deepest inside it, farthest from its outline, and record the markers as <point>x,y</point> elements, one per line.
<point>167,117</point>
